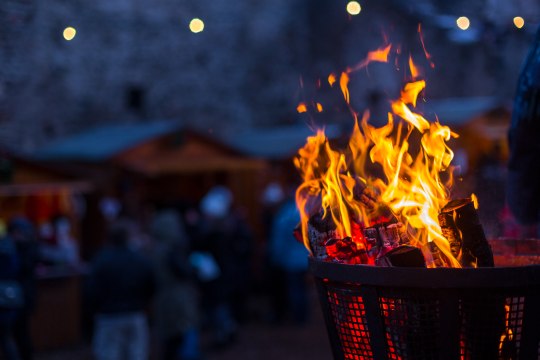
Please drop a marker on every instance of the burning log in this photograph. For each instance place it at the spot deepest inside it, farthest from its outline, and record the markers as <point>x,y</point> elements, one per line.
<point>434,256</point>
<point>377,209</point>
<point>461,226</point>
<point>384,238</point>
<point>402,256</point>
<point>320,230</point>
<point>345,251</point>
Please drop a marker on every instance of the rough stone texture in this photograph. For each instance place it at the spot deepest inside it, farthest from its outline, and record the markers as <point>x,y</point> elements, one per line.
<point>243,70</point>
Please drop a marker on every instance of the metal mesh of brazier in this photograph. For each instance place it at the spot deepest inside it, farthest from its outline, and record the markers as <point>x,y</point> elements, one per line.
<point>403,313</point>
<point>348,311</point>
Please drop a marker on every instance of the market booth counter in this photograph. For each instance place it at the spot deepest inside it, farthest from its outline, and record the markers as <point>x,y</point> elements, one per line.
<point>50,201</point>
<point>56,319</point>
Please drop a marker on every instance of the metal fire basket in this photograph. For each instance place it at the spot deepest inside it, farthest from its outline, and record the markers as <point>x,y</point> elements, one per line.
<point>416,313</point>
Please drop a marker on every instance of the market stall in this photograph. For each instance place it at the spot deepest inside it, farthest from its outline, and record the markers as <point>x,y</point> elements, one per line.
<point>53,204</point>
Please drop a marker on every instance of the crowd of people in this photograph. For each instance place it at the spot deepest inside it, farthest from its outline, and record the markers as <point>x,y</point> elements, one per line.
<point>156,289</point>
<point>194,277</point>
<point>185,278</point>
<point>18,257</point>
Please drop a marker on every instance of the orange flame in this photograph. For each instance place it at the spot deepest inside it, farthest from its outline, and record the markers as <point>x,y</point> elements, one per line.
<point>331,79</point>
<point>343,82</point>
<point>508,335</point>
<point>379,55</point>
<point>413,68</point>
<point>428,55</point>
<point>475,200</point>
<point>301,108</point>
<point>411,155</point>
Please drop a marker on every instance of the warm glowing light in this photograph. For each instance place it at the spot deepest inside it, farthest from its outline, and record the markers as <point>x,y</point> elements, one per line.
<point>319,107</point>
<point>413,68</point>
<point>379,55</point>
<point>331,79</point>
<point>69,33</point>
<point>475,200</point>
<point>301,108</point>
<point>428,55</point>
<point>354,8</point>
<point>196,25</point>
<point>411,152</point>
<point>463,22</point>
<point>519,22</point>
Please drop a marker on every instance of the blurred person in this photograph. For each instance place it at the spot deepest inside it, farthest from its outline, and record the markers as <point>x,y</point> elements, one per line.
<point>288,261</point>
<point>23,233</point>
<point>523,191</point>
<point>271,199</point>
<point>224,237</point>
<point>58,246</point>
<point>176,306</point>
<point>122,285</point>
<point>10,297</point>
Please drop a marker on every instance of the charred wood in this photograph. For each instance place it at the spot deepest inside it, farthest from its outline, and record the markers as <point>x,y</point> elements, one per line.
<point>461,226</point>
<point>320,229</point>
<point>402,256</point>
<point>460,223</point>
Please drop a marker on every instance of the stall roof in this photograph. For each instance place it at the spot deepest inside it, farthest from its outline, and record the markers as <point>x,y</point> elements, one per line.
<point>458,111</point>
<point>273,143</point>
<point>191,152</point>
<point>103,142</point>
<point>44,188</point>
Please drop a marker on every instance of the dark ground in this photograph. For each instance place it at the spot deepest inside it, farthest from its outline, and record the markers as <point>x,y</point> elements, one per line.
<point>257,340</point>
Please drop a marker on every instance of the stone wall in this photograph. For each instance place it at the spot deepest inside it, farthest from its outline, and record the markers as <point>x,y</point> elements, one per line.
<point>135,60</point>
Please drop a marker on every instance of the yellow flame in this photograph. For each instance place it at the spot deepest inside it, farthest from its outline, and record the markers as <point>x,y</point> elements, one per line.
<point>475,200</point>
<point>319,107</point>
<point>410,154</point>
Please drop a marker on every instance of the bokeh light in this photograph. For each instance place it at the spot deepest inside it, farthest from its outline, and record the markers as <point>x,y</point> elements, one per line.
<point>196,25</point>
<point>463,22</point>
<point>69,33</point>
<point>519,22</point>
<point>354,8</point>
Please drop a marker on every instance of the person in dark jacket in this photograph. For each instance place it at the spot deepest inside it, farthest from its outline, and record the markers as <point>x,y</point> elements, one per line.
<point>176,304</point>
<point>225,239</point>
<point>23,233</point>
<point>9,268</point>
<point>523,190</point>
<point>122,283</point>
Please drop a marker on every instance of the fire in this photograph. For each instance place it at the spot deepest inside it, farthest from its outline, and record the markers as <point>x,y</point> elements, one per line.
<point>331,79</point>
<point>379,55</point>
<point>301,108</point>
<point>408,155</point>
<point>508,334</point>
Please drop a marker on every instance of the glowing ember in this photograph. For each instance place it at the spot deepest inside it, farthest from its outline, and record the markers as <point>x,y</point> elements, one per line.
<point>387,174</point>
<point>301,108</point>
